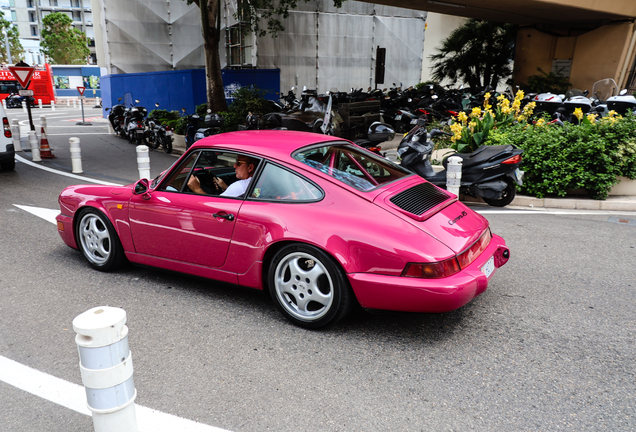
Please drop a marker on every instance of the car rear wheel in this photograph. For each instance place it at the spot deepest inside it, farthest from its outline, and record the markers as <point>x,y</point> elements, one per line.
<point>98,241</point>
<point>309,287</point>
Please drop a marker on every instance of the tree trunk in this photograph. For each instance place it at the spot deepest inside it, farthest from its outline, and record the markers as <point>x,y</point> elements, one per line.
<point>210,25</point>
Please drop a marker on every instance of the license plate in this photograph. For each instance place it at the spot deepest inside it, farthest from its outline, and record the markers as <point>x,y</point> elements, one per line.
<point>489,267</point>
<point>519,175</point>
<point>168,133</point>
<point>398,117</point>
<point>140,131</point>
<point>414,121</point>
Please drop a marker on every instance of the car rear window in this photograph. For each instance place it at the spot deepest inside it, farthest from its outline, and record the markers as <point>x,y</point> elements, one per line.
<point>351,165</point>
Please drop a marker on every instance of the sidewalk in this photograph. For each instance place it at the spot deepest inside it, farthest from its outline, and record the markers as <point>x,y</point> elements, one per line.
<point>612,203</point>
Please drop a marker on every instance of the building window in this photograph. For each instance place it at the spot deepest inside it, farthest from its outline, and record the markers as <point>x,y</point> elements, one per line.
<point>12,3</point>
<point>77,16</point>
<point>34,31</point>
<point>14,16</point>
<point>32,17</point>
<point>238,46</point>
<point>31,3</point>
<point>53,2</point>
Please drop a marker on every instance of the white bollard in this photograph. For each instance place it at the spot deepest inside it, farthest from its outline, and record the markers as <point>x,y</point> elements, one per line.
<point>24,107</point>
<point>454,174</point>
<point>143,161</point>
<point>4,104</point>
<point>40,103</point>
<point>74,103</point>
<point>52,105</point>
<point>106,368</point>
<point>76,155</point>
<point>15,132</point>
<point>43,123</point>
<point>35,147</point>
<point>68,102</point>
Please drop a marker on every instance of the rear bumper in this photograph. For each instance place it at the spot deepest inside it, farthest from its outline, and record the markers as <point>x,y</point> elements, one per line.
<point>7,155</point>
<point>427,295</point>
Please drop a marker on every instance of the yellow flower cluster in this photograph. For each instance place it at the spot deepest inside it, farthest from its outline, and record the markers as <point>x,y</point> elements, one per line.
<point>476,112</point>
<point>578,113</point>
<point>456,129</point>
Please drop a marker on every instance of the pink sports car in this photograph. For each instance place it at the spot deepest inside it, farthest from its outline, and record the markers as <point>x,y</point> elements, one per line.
<point>321,223</point>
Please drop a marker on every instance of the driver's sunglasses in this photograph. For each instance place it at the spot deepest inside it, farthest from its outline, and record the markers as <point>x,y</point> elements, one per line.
<point>239,162</point>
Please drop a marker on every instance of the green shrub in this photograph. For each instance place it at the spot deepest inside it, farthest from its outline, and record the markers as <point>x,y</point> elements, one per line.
<point>588,156</point>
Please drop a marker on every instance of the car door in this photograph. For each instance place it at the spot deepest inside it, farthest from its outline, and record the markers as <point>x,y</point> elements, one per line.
<point>173,223</point>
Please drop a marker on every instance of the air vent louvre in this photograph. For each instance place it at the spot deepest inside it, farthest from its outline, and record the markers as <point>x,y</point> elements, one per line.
<point>419,199</point>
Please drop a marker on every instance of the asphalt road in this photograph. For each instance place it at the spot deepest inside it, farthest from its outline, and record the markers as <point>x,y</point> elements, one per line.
<point>549,346</point>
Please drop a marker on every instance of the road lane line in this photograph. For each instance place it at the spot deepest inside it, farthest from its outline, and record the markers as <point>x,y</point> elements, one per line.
<point>73,397</point>
<point>48,215</point>
<point>75,176</point>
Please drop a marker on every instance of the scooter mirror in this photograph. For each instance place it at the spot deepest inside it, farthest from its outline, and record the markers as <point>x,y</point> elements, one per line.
<point>209,110</point>
<point>136,101</point>
<point>623,92</point>
<point>183,109</point>
<point>156,105</point>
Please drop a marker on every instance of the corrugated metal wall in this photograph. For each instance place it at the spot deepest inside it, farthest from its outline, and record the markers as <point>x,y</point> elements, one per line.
<point>326,48</point>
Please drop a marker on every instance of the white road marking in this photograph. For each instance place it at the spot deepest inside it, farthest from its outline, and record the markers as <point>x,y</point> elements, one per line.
<point>48,215</point>
<point>75,176</point>
<point>73,396</point>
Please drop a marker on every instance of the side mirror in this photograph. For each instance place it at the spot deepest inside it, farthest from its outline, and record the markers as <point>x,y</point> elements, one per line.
<point>106,109</point>
<point>119,100</point>
<point>183,109</point>
<point>141,187</point>
<point>136,101</point>
<point>156,105</point>
<point>623,92</point>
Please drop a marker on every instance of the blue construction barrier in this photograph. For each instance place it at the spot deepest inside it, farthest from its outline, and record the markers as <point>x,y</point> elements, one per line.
<point>66,79</point>
<point>174,90</point>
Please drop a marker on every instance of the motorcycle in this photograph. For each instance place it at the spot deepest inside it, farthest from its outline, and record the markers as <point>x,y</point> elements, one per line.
<point>197,129</point>
<point>158,134</point>
<point>134,127</point>
<point>117,117</point>
<point>378,132</point>
<point>490,172</point>
<point>14,100</point>
<point>622,102</point>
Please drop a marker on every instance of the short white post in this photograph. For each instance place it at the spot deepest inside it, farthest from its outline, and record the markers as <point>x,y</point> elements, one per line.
<point>52,105</point>
<point>76,155</point>
<point>143,161</point>
<point>4,104</point>
<point>454,174</point>
<point>68,102</point>
<point>43,122</point>
<point>35,147</point>
<point>40,103</point>
<point>74,103</point>
<point>15,132</point>
<point>97,101</point>
<point>24,107</point>
<point>106,368</point>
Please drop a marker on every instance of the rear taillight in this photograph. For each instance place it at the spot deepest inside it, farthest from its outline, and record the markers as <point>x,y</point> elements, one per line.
<point>168,128</point>
<point>434,270</point>
<point>450,266</point>
<point>513,160</point>
<point>7,128</point>
<point>469,255</point>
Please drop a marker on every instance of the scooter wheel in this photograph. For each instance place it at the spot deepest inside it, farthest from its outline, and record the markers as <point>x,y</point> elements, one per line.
<point>507,196</point>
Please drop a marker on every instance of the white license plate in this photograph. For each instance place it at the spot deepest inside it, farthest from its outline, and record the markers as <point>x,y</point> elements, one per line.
<point>398,117</point>
<point>489,267</point>
<point>140,131</point>
<point>168,133</point>
<point>414,121</point>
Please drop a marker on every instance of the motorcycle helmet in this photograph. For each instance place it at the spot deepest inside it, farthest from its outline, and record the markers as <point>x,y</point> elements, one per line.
<point>380,132</point>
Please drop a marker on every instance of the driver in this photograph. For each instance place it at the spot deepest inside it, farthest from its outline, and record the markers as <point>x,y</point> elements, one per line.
<point>244,168</point>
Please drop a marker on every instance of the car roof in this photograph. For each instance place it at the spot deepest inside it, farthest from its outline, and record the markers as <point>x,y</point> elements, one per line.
<point>274,144</point>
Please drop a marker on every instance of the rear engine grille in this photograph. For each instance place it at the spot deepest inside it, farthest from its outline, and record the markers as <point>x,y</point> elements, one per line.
<point>419,199</point>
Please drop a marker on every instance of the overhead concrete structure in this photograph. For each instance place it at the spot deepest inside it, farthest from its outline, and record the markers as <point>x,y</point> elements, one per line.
<point>586,40</point>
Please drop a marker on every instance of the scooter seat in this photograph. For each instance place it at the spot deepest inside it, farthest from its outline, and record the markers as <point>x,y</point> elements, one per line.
<point>482,154</point>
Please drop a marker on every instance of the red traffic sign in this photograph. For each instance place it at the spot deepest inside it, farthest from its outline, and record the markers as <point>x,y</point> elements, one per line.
<point>81,90</point>
<point>22,74</point>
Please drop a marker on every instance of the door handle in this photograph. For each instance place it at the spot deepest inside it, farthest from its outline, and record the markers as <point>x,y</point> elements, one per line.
<point>228,216</point>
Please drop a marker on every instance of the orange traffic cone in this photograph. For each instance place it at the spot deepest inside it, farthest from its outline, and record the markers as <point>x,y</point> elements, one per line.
<point>45,150</point>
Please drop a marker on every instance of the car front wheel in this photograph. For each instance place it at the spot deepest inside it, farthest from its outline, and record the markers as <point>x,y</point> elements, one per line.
<point>309,287</point>
<point>98,241</point>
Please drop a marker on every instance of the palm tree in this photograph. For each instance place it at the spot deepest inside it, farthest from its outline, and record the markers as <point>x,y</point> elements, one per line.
<point>479,53</point>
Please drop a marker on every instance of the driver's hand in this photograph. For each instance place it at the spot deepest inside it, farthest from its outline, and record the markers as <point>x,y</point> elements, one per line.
<point>195,185</point>
<point>220,183</point>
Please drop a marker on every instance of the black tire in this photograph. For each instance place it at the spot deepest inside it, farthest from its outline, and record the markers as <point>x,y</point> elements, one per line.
<point>98,241</point>
<point>507,197</point>
<point>8,165</point>
<point>308,286</point>
<point>167,144</point>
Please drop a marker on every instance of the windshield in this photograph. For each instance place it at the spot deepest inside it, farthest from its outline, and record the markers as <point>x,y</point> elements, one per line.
<point>351,165</point>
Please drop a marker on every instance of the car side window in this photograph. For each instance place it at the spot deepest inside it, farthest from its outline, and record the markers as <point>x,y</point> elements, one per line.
<point>276,183</point>
<point>178,178</point>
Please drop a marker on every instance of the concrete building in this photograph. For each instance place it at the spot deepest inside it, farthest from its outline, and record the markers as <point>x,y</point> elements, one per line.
<point>27,15</point>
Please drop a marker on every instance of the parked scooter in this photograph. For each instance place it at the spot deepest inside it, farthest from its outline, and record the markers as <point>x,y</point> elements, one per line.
<point>117,117</point>
<point>158,134</point>
<point>490,172</point>
<point>197,129</point>
<point>378,132</point>
<point>134,126</point>
<point>14,100</point>
<point>622,102</point>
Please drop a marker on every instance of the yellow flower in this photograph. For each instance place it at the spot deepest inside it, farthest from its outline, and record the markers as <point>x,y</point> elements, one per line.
<point>505,109</point>
<point>529,108</point>
<point>462,117</point>
<point>591,118</point>
<point>612,113</point>
<point>520,94</point>
<point>456,129</point>
<point>540,122</point>
<point>502,97</point>
<point>472,125</point>
<point>487,96</point>
<point>578,113</point>
<point>476,112</point>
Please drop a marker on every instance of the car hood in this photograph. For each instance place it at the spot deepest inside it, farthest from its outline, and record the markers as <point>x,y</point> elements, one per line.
<point>434,211</point>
